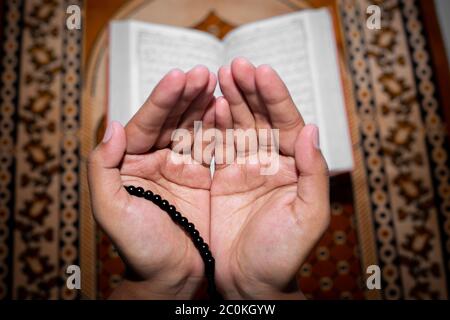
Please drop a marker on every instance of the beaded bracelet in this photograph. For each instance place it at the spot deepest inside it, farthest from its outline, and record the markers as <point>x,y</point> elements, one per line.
<point>187,226</point>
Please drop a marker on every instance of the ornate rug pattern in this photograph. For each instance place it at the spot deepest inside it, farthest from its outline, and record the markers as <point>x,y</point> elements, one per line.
<point>404,150</point>
<point>393,210</point>
<point>40,106</point>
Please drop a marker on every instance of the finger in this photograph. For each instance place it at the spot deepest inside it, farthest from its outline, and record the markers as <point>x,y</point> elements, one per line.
<point>246,141</point>
<point>196,82</point>
<point>204,140</point>
<point>244,76</point>
<point>103,171</point>
<point>313,182</point>
<point>242,116</point>
<point>145,126</point>
<point>197,109</point>
<point>195,112</point>
<point>282,111</point>
<point>224,152</point>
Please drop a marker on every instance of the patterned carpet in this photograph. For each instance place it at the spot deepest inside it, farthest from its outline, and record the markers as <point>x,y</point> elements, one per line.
<point>392,211</point>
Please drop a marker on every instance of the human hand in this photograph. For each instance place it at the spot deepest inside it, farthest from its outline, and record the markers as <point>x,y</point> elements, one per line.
<point>164,262</point>
<point>264,226</point>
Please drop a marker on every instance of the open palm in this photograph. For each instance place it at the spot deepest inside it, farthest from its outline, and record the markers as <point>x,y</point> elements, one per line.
<point>260,227</point>
<point>264,226</point>
<point>155,248</point>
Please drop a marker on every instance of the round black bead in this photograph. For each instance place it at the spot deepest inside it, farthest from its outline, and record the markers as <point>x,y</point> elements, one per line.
<point>171,208</point>
<point>209,266</point>
<point>203,247</point>
<point>164,204</point>
<point>198,241</point>
<point>139,192</point>
<point>176,216</point>
<point>130,189</point>
<point>183,222</point>
<point>210,261</point>
<point>156,199</point>
<point>148,195</point>
<point>205,254</point>
<point>190,227</point>
<point>194,233</point>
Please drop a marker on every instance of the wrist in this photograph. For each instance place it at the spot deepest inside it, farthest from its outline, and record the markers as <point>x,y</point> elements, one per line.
<point>258,291</point>
<point>264,295</point>
<point>157,289</point>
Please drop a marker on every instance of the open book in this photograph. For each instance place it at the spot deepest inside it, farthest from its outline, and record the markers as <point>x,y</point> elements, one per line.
<point>300,46</point>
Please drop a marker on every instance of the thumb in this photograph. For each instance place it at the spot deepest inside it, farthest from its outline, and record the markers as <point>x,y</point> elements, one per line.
<point>103,168</point>
<point>312,188</point>
<point>312,205</point>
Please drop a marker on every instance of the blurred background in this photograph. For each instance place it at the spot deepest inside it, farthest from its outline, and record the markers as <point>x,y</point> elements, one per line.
<point>392,210</point>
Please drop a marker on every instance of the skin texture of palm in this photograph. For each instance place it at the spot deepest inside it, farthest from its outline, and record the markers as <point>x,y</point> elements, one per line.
<point>160,244</point>
<point>260,227</point>
<point>264,226</point>
<point>163,260</point>
<point>243,220</point>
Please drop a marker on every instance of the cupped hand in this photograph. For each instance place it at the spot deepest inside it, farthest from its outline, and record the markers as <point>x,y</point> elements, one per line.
<point>264,226</point>
<point>162,259</point>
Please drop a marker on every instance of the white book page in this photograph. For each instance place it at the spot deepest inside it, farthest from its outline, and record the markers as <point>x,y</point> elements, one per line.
<point>301,48</point>
<point>153,51</point>
<point>282,43</point>
<point>336,142</point>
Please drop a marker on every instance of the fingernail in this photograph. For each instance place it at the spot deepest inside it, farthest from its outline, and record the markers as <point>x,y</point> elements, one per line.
<point>315,136</point>
<point>175,71</point>
<point>108,132</point>
<point>265,66</point>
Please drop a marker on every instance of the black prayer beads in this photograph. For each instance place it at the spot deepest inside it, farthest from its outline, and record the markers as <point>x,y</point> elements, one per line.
<point>187,226</point>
